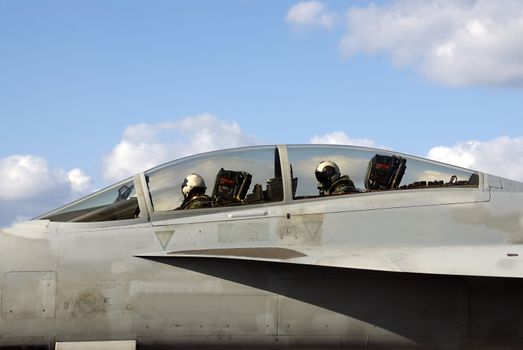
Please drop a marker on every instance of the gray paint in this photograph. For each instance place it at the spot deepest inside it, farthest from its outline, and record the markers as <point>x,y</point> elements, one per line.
<point>403,268</point>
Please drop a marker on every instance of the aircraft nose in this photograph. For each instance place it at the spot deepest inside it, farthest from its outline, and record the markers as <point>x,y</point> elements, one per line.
<point>33,229</point>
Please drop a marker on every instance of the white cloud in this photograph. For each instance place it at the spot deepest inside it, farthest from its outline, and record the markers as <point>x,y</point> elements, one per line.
<point>80,182</point>
<point>340,138</point>
<point>461,42</point>
<point>146,145</point>
<point>311,14</point>
<point>501,156</point>
<point>23,176</point>
<point>28,187</point>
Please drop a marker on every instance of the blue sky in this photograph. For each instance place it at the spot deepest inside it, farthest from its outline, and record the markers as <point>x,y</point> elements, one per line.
<point>79,78</point>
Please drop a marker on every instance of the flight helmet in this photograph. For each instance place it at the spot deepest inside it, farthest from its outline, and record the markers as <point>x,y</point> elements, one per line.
<point>327,172</point>
<point>193,184</point>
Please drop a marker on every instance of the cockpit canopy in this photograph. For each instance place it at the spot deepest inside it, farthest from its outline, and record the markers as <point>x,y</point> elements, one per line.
<point>253,176</point>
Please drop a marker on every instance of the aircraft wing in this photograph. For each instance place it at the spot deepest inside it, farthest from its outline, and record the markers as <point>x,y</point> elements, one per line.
<point>489,261</point>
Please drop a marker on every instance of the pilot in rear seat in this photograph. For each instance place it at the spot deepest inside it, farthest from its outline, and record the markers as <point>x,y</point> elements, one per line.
<point>193,189</point>
<point>330,181</point>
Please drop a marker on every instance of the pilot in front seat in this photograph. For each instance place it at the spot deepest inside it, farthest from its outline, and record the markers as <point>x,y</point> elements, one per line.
<point>193,189</point>
<point>330,181</point>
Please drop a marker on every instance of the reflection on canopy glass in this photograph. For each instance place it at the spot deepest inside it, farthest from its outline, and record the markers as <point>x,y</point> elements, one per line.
<point>117,202</point>
<point>372,170</point>
<point>238,171</point>
<point>248,176</point>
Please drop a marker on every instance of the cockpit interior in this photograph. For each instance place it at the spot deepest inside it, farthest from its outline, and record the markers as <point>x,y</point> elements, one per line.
<point>264,175</point>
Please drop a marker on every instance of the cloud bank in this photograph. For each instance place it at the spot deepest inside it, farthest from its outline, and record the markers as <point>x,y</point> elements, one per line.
<point>28,187</point>
<point>144,146</point>
<point>453,42</point>
<point>457,43</point>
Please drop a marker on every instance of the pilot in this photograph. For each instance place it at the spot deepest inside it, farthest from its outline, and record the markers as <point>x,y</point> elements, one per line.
<point>330,181</point>
<point>193,189</point>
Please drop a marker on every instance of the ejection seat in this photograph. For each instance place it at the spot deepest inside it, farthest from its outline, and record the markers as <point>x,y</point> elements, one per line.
<point>230,187</point>
<point>385,172</point>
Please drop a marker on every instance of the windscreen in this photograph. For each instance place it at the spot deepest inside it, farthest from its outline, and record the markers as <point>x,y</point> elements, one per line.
<point>117,202</point>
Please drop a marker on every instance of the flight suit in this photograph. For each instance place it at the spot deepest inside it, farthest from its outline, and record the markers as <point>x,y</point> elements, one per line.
<point>196,202</point>
<point>343,185</point>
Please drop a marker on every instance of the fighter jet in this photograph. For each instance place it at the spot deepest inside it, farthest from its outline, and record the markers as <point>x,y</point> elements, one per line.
<point>282,247</point>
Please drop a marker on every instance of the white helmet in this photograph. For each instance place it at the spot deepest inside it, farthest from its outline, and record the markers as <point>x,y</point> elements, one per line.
<point>327,172</point>
<point>191,183</point>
